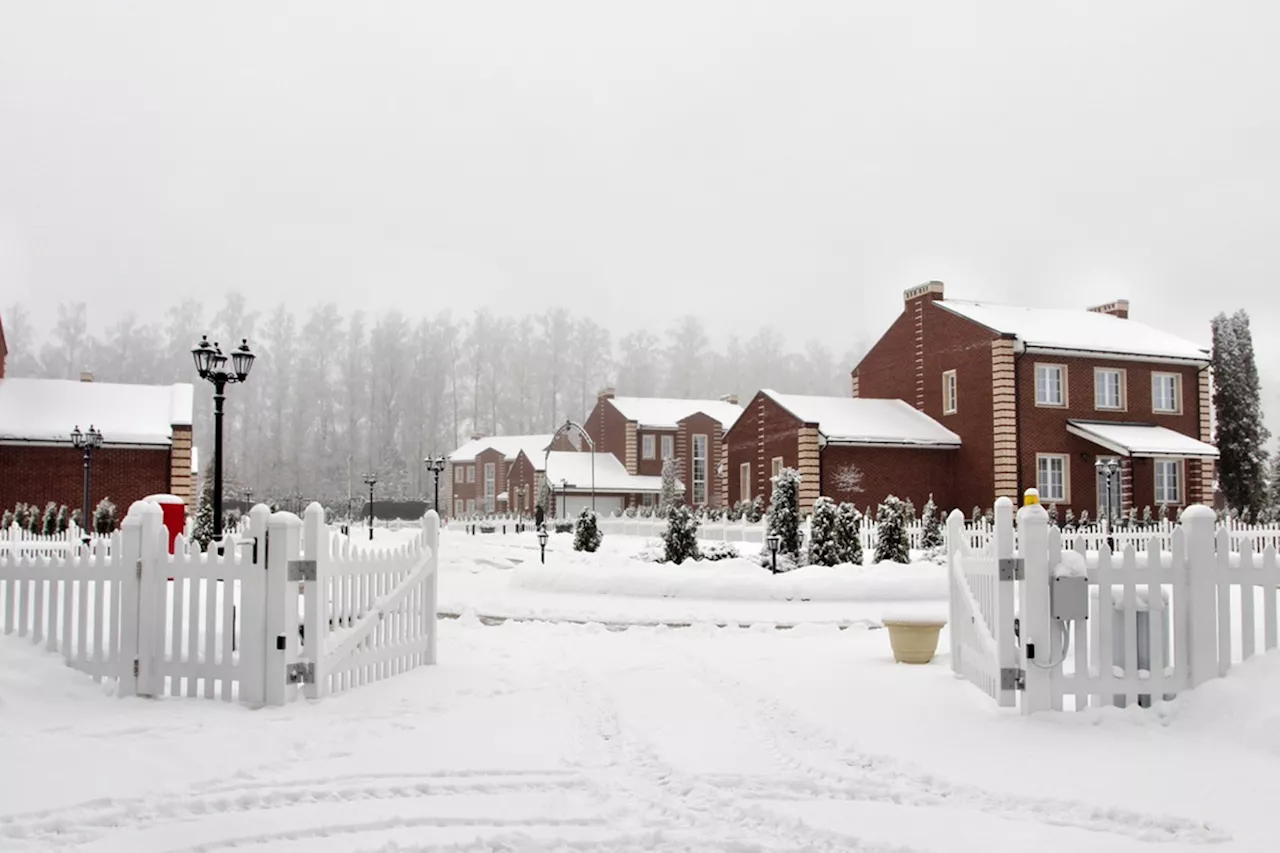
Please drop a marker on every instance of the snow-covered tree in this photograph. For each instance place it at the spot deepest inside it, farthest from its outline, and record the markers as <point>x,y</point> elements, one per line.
<point>202,530</point>
<point>849,533</point>
<point>544,495</point>
<point>1084,517</point>
<point>824,539</point>
<point>49,519</point>
<point>668,498</point>
<point>784,515</point>
<point>909,511</point>
<point>104,517</point>
<point>1053,514</point>
<point>1147,517</point>
<point>931,536</point>
<point>680,536</point>
<point>755,509</point>
<point>976,515</point>
<point>1237,399</point>
<point>6,521</point>
<point>847,480</point>
<point>64,519</point>
<point>1069,520</point>
<point>586,533</point>
<point>891,533</point>
<point>1162,513</point>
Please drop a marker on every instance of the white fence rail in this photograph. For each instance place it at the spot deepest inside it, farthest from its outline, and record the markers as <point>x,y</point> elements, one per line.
<point>225,624</point>
<point>754,532</point>
<point>18,541</point>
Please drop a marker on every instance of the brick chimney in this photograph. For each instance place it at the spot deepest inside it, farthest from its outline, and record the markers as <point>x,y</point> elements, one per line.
<point>915,299</point>
<point>930,291</point>
<point>729,398</point>
<point>86,376</point>
<point>606,393</point>
<point>476,436</point>
<point>1118,308</point>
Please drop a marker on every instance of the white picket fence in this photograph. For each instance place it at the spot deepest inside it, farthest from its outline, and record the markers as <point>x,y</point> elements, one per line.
<point>225,623</point>
<point>1131,626</point>
<point>746,531</point>
<point>19,541</point>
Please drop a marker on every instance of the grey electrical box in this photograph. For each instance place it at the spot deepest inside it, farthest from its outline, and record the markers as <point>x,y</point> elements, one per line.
<point>1069,598</point>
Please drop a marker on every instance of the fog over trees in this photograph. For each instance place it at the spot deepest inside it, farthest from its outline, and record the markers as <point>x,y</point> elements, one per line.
<point>335,393</point>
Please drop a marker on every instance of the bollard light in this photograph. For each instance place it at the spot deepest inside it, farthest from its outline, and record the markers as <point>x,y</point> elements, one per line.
<point>774,540</point>
<point>542,542</point>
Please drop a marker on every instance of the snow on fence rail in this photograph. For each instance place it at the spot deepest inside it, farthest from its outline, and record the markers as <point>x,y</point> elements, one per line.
<point>226,623</point>
<point>754,532</point>
<point>16,540</point>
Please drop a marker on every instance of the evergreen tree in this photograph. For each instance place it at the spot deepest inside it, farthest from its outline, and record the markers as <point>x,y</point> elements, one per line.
<point>824,538</point>
<point>33,520</point>
<point>1273,487</point>
<point>49,520</point>
<point>784,515</point>
<point>586,533</point>
<point>1162,514</point>
<point>76,520</point>
<point>1147,518</point>
<point>680,536</point>
<point>104,517</point>
<point>64,519</point>
<point>22,516</point>
<point>668,497</point>
<point>202,531</point>
<point>909,511</point>
<point>6,521</point>
<point>1069,520</point>
<point>1053,514</point>
<point>976,514</point>
<point>1237,399</point>
<point>891,533</point>
<point>1084,518</point>
<point>755,510</point>
<point>932,535</point>
<point>849,533</point>
<point>544,496</point>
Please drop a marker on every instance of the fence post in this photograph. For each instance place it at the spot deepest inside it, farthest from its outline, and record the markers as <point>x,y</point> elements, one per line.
<point>1202,619</point>
<point>955,547</point>
<point>315,609</point>
<point>153,595</point>
<point>1002,630</point>
<point>283,535</point>
<point>1034,621</point>
<point>128,560</point>
<point>251,614</point>
<point>431,527</point>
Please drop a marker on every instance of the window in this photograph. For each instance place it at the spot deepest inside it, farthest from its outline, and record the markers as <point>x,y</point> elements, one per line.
<point>458,473</point>
<point>777,465</point>
<point>949,392</point>
<point>668,446</point>
<point>1108,388</point>
<point>471,506</point>
<point>458,508</point>
<point>1051,478</point>
<point>648,498</point>
<point>471,473</point>
<point>1166,393</point>
<point>490,485</point>
<point>744,481</point>
<point>1051,385</point>
<point>1168,481</point>
<point>647,447</point>
<point>699,470</point>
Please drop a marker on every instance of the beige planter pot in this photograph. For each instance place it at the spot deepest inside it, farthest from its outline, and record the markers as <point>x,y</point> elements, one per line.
<point>914,640</point>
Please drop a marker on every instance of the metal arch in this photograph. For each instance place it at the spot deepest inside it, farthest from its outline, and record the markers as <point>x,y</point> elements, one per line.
<point>546,456</point>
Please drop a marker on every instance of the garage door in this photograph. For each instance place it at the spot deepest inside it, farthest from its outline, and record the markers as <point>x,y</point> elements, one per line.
<point>606,505</point>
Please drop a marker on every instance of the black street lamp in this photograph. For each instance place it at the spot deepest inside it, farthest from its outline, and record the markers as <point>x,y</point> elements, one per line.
<point>564,498</point>
<point>88,442</point>
<point>211,365</point>
<point>435,464</point>
<point>1108,469</point>
<point>370,480</point>
<point>248,499</point>
<point>519,505</point>
<point>774,540</point>
<point>542,542</point>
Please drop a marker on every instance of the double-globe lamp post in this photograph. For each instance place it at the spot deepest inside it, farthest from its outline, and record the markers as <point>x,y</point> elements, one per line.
<point>211,365</point>
<point>370,480</point>
<point>435,464</point>
<point>1108,469</point>
<point>88,442</point>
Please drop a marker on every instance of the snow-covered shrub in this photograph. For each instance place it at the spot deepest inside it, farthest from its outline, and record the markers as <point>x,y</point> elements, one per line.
<point>586,534</point>
<point>667,498</point>
<point>784,520</point>
<point>976,515</point>
<point>64,519</point>
<point>231,519</point>
<point>1147,518</point>
<point>1053,515</point>
<point>931,536</point>
<point>849,533</point>
<point>1069,520</point>
<point>630,512</point>
<point>104,517</point>
<point>824,540</point>
<point>1162,514</point>
<point>909,511</point>
<point>202,530</point>
<point>1084,517</point>
<point>6,520</point>
<point>755,510</point>
<point>716,551</point>
<point>563,527</point>
<point>891,533</point>
<point>680,538</point>
<point>49,519</point>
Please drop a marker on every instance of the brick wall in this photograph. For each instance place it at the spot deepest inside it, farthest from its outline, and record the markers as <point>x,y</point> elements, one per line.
<point>701,424</point>
<point>764,430</point>
<point>653,467</point>
<point>608,429</point>
<point>908,473</point>
<point>41,474</point>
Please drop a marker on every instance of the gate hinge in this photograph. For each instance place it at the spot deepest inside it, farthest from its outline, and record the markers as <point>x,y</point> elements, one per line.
<point>138,568</point>
<point>1012,568</point>
<point>303,672</point>
<point>1012,678</point>
<point>135,667</point>
<point>302,570</point>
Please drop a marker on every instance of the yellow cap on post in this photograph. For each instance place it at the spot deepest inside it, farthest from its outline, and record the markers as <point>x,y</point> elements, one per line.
<point>1030,497</point>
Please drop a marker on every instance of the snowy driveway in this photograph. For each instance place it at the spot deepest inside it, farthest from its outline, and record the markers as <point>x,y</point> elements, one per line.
<point>561,737</point>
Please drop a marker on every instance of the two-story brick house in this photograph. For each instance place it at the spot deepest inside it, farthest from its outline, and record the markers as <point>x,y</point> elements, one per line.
<point>643,432</point>
<point>476,473</point>
<point>1039,395</point>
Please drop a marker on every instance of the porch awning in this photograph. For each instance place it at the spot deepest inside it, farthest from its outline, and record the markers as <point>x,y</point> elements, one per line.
<point>1141,440</point>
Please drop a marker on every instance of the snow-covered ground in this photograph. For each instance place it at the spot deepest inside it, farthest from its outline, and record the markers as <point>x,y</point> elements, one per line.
<point>566,737</point>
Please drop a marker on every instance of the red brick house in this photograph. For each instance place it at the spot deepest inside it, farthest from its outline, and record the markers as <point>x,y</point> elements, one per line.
<point>146,432</point>
<point>570,478</point>
<point>849,449</point>
<point>475,478</point>
<point>1038,395</point>
<point>642,432</point>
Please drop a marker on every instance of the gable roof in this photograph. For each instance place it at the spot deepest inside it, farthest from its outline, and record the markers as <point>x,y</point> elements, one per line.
<point>46,410</point>
<point>667,412</point>
<point>508,445</point>
<point>1077,330</point>
<point>610,475</point>
<point>862,420</point>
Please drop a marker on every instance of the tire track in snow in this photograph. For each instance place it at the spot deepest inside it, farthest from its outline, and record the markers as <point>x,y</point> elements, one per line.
<point>879,778</point>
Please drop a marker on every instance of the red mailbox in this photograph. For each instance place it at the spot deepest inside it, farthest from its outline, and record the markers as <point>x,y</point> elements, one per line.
<point>175,514</point>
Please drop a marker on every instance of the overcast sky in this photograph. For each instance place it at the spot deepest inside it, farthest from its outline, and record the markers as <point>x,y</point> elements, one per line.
<point>799,163</point>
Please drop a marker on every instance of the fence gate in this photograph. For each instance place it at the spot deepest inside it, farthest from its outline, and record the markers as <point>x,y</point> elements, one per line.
<point>983,638</point>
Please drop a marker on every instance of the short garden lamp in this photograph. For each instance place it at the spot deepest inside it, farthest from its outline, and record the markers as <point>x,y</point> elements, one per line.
<point>774,540</point>
<point>542,542</point>
<point>370,480</point>
<point>88,442</point>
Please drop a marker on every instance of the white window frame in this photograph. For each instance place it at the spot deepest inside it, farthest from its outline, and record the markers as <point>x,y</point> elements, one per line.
<point>1177,393</point>
<point>459,507</point>
<point>1179,477</point>
<point>1121,382</point>
<point>950,389</point>
<point>490,486</point>
<point>647,499</point>
<point>1047,496</point>
<point>471,506</point>
<point>699,482</point>
<point>776,466</point>
<point>458,473</point>
<point>668,447</point>
<point>1062,374</point>
<point>744,481</point>
<point>471,473</point>
<point>648,446</point>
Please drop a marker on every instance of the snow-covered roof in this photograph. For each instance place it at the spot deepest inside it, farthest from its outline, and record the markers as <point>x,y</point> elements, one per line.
<point>610,475</point>
<point>667,412</point>
<point>508,445</point>
<point>1141,440</point>
<point>862,420</point>
<point>1077,330</point>
<point>48,409</point>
